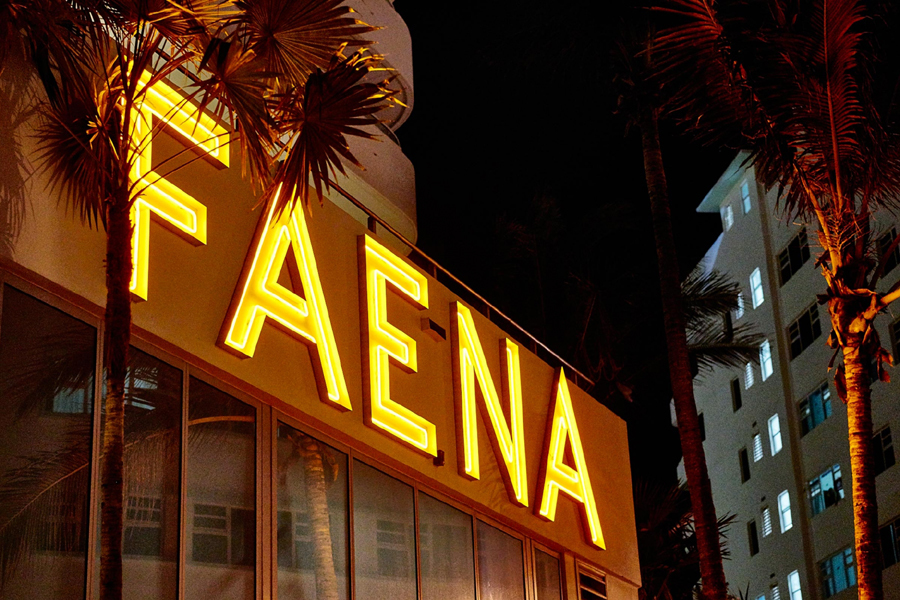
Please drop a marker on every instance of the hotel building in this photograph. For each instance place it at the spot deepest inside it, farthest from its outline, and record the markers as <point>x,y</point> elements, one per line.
<point>314,409</point>
<point>776,433</point>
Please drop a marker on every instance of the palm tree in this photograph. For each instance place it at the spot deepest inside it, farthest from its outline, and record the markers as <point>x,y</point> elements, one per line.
<point>277,70</point>
<point>795,83</point>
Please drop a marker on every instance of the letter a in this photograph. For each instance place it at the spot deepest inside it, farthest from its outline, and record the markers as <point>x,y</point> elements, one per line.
<point>557,476</point>
<point>507,440</point>
<point>260,296</point>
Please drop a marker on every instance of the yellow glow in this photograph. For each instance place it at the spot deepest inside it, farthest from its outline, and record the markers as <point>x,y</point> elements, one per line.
<point>385,342</point>
<point>508,440</point>
<point>560,477</point>
<point>178,210</point>
<point>261,296</point>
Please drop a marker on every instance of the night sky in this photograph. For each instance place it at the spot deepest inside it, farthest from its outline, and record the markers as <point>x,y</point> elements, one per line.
<point>516,102</point>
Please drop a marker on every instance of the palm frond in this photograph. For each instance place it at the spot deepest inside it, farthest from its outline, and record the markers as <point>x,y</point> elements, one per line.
<point>713,346</point>
<point>708,294</point>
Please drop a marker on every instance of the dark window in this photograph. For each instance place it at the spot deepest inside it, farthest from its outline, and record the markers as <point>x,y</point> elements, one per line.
<point>702,422</point>
<point>745,465</point>
<point>884,450</point>
<point>736,401</point>
<point>838,572</point>
<point>826,489</point>
<point>814,409</point>
<point>753,538</point>
<point>895,339</point>
<point>804,331</point>
<point>890,543</point>
<point>591,587</point>
<point>794,256</point>
<point>884,243</point>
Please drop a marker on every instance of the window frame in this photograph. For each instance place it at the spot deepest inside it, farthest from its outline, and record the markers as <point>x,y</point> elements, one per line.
<point>759,299</point>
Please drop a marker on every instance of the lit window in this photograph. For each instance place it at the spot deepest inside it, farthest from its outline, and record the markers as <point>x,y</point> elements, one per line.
<point>815,408</point>
<point>838,572</point>
<point>757,448</point>
<point>774,434</point>
<point>767,521</point>
<point>826,489</point>
<point>883,447</point>
<point>739,310</point>
<point>804,330</point>
<point>748,376</point>
<point>784,511</point>
<point>745,196</point>
<point>756,288</point>
<point>727,217</point>
<point>794,586</point>
<point>776,593</point>
<point>761,597</point>
<point>765,359</point>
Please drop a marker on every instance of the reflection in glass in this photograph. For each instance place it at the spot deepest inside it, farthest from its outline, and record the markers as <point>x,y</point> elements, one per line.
<point>47,363</point>
<point>152,478</point>
<point>313,533</point>
<point>445,551</point>
<point>220,510</point>
<point>501,566</point>
<point>546,575</point>
<point>384,536</point>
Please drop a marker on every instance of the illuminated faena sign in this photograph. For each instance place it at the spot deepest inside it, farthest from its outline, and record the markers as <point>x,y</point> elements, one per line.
<point>282,241</point>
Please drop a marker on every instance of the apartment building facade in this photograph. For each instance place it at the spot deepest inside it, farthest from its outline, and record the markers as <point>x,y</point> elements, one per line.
<point>776,432</point>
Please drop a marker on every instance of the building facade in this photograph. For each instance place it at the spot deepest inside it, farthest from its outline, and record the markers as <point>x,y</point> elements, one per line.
<point>313,408</point>
<point>776,433</point>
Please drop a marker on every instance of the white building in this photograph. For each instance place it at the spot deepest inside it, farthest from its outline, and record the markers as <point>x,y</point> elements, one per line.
<point>776,433</point>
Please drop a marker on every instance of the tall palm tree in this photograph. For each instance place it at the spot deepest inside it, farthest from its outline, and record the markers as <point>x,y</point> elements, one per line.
<point>276,67</point>
<point>801,86</point>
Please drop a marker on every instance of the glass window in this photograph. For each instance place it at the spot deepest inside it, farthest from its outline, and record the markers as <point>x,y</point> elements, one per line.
<point>752,538</point>
<point>745,197</point>
<point>804,330</point>
<point>736,401</point>
<point>765,360</point>
<point>313,530</point>
<point>776,592</point>
<point>501,566</point>
<point>591,587</point>
<point>794,256</point>
<point>744,462</point>
<point>221,495</point>
<point>774,434</point>
<point>47,364</point>
<point>794,586</point>
<point>838,572</point>
<point>739,310</point>
<point>445,551</point>
<point>757,447</point>
<point>814,409</point>
<point>153,392</point>
<point>883,447</point>
<point>766,521</point>
<point>701,422</point>
<point>546,574</point>
<point>384,533</point>
<point>826,489</point>
<point>727,217</point>
<point>890,543</point>
<point>784,511</point>
<point>748,376</point>
<point>756,288</point>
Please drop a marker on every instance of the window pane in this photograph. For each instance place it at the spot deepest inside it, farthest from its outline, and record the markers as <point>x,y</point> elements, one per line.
<point>152,478</point>
<point>47,363</point>
<point>546,572</point>
<point>313,530</point>
<point>446,551</point>
<point>221,495</point>
<point>384,535</point>
<point>500,565</point>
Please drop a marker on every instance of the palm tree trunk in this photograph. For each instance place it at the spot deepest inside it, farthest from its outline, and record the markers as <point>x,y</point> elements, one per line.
<point>317,503</point>
<point>118,336</point>
<point>862,466</point>
<point>705,523</point>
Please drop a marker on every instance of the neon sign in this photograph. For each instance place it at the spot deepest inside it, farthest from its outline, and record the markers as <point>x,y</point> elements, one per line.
<point>259,297</point>
<point>174,208</point>
<point>507,440</point>
<point>385,344</point>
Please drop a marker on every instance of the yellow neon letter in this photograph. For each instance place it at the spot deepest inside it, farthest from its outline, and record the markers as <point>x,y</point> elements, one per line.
<point>259,295</point>
<point>557,476</point>
<point>385,342</point>
<point>508,441</point>
<point>176,209</point>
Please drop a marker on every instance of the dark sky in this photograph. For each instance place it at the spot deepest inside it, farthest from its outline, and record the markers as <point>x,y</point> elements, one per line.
<point>516,101</point>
